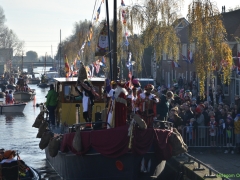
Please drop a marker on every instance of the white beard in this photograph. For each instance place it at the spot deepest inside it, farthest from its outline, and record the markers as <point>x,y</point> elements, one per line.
<point>103,41</point>
<point>119,90</point>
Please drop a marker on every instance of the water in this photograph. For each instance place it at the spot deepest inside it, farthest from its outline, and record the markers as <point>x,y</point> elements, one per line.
<point>17,133</point>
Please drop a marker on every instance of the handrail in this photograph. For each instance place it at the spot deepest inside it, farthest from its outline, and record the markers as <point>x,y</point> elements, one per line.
<point>211,170</point>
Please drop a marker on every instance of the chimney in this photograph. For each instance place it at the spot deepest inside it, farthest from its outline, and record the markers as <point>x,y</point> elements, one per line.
<point>224,9</point>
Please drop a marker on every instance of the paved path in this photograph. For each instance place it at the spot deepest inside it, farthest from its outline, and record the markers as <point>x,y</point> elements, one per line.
<point>228,164</point>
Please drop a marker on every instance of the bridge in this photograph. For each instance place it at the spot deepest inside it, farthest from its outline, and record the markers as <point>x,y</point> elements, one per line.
<point>35,64</point>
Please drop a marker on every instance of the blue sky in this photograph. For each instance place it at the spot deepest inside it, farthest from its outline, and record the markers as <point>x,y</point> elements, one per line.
<point>38,22</point>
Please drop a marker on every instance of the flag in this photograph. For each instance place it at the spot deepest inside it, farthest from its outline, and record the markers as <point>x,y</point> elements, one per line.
<point>81,50</point>
<point>238,55</point>
<point>75,63</point>
<point>103,60</point>
<point>184,58</point>
<point>98,12</point>
<point>175,64</point>
<point>122,3</point>
<point>67,68</point>
<point>238,67</point>
<point>190,57</point>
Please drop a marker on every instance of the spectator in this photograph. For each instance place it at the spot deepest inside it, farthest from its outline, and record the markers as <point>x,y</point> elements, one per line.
<point>51,104</point>
<point>229,135</point>
<point>237,132</point>
<point>163,106</point>
<point>212,131</point>
<point>219,96</point>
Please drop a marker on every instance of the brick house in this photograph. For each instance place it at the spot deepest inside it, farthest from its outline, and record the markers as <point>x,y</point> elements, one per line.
<point>165,72</point>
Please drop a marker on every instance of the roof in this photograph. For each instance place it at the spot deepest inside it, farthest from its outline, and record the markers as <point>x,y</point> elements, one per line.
<point>231,22</point>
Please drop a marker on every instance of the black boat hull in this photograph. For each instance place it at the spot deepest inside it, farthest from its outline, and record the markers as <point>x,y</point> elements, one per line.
<point>96,166</point>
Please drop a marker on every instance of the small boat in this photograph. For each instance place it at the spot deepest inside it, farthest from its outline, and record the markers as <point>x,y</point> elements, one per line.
<point>13,169</point>
<point>33,81</point>
<point>12,108</point>
<point>43,85</point>
<point>2,94</point>
<point>11,86</point>
<point>24,95</point>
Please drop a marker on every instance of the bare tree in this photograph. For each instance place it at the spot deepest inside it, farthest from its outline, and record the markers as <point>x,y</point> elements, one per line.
<point>8,39</point>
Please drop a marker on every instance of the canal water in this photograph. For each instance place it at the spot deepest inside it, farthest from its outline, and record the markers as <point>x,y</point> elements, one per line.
<point>17,133</point>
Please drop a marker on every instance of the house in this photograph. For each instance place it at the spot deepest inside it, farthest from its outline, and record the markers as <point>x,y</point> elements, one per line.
<point>166,72</point>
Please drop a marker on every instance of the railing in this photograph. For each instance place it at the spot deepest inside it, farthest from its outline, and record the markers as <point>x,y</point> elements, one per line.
<point>212,172</point>
<point>205,136</point>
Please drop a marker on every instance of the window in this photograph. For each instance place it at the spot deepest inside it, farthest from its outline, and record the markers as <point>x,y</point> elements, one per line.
<point>184,50</point>
<point>226,89</point>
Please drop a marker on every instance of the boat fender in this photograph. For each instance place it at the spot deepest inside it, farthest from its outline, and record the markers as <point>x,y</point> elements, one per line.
<point>42,129</point>
<point>54,145</point>
<point>77,142</point>
<point>45,139</point>
<point>38,120</point>
<point>143,168</point>
<point>149,165</point>
<point>141,123</point>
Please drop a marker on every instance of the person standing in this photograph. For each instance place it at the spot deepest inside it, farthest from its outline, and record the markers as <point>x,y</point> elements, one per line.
<point>163,106</point>
<point>146,105</point>
<point>51,104</point>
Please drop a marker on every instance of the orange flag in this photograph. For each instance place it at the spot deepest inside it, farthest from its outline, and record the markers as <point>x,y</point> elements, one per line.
<point>67,68</point>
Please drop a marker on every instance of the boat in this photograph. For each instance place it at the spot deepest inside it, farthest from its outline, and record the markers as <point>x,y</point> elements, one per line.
<point>106,153</point>
<point>2,94</point>
<point>24,95</point>
<point>11,86</point>
<point>33,80</point>
<point>125,152</point>
<point>44,79</point>
<point>16,169</point>
<point>12,108</point>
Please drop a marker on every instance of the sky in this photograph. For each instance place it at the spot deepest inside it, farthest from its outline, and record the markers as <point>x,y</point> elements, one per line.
<point>38,22</point>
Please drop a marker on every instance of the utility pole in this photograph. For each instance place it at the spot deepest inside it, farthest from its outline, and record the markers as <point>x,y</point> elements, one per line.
<point>109,42</point>
<point>60,52</point>
<point>22,62</point>
<point>115,71</point>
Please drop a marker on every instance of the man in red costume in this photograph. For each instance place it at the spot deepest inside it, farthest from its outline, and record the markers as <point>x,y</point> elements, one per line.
<point>117,113</point>
<point>146,104</point>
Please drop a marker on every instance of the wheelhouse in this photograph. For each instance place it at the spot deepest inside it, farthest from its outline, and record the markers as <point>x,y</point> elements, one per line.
<point>66,109</point>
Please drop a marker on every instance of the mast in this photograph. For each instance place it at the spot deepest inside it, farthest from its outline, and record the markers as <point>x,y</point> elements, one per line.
<point>109,42</point>
<point>45,63</point>
<point>22,62</point>
<point>60,53</point>
<point>115,40</point>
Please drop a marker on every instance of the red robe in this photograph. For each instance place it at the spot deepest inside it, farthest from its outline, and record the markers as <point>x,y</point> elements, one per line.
<point>120,111</point>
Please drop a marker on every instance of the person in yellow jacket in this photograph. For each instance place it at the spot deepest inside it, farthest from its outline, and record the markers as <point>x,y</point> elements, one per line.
<point>237,132</point>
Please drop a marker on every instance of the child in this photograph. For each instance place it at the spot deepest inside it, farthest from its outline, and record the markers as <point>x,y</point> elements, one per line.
<point>212,131</point>
<point>221,132</point>
<point>229,132</point>
<point>237,132</point>
<point>191,130</point>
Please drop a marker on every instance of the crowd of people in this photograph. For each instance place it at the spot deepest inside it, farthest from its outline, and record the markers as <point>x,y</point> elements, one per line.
<point>201,122</point>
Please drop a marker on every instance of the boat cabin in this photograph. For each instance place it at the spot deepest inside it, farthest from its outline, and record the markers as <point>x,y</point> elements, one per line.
<point>66,109</point>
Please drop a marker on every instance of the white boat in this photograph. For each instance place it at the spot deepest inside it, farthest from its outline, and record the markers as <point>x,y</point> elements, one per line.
<point>23,95</point>
<point>12,108</point>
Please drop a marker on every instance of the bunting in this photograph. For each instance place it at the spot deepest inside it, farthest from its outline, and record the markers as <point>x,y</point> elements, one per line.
<point>175,64</point>
<point>190,57</point>
<point>98,12</point>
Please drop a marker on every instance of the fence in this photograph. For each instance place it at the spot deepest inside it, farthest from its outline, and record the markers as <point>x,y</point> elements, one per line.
<point>205,136</point>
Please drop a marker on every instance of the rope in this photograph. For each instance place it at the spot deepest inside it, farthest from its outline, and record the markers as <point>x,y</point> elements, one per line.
<point>94,9</point>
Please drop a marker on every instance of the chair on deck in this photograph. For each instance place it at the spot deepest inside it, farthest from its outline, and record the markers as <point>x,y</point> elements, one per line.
<point>10,171</point>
